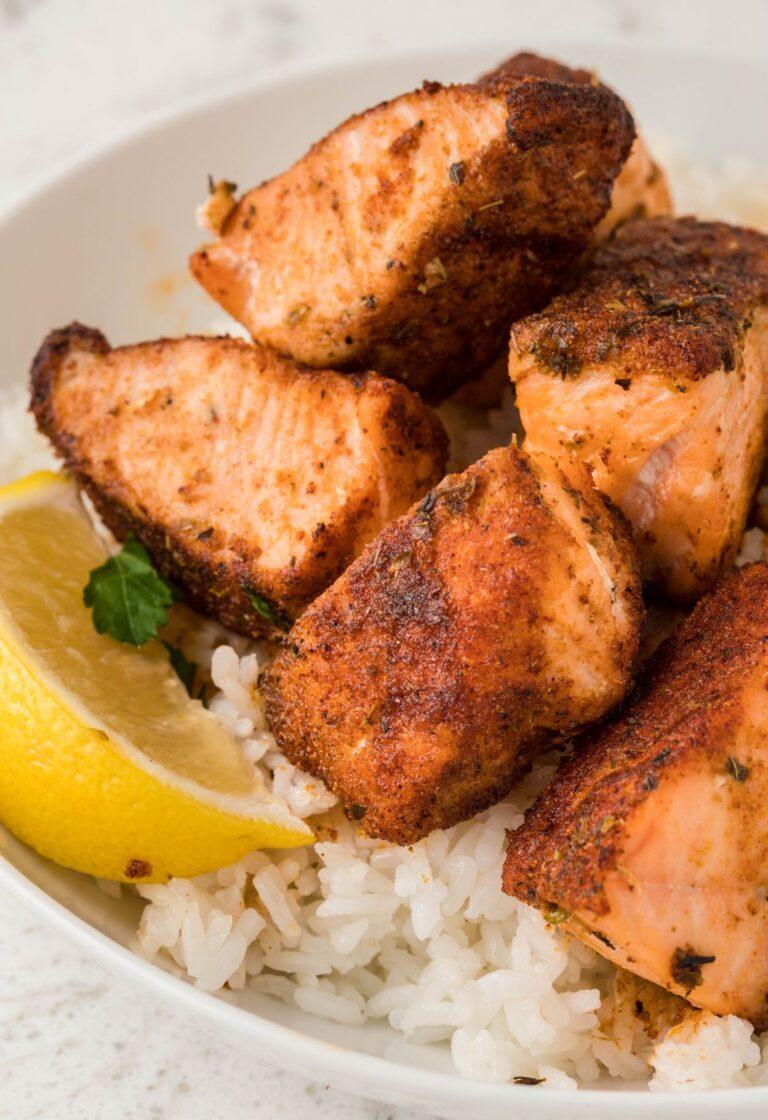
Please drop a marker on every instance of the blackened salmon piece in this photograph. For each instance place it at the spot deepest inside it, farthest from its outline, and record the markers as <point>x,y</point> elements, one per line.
<point>251,481</point>
<point>651,842</point>
<point>409,238</point>
<point>654,372</point>
<point>502,611</point>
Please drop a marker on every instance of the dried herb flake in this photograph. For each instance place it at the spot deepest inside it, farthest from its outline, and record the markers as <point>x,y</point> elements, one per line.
<point>738,771</point>
<point>297,313</point>
<point>428,504</point>
<point>265,609</point>
<point>556,914</point>
<point>686,968</point>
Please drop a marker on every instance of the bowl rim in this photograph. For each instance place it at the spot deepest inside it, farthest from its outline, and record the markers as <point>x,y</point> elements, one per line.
<point>357,1071</point>
<point>289,72</point>
<point>209,1013</point>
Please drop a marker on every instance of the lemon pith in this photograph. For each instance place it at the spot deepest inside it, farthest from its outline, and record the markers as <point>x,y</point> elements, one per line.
<point>106,765</point>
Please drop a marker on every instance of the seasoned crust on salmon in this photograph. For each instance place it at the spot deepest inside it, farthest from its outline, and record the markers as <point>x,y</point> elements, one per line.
<point>654,371</point>
<point>409,238</point>
<point>665,294</point>
<point>538,66</point>
<point>653,835</point>
<point>641,189</point>
<point>252,482</point>
<point>501,611</point>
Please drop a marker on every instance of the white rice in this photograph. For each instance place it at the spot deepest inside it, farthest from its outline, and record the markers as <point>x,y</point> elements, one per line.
<point>732,192</point>
<point>706,1051</point>
<point>353,929</point>
<point>22,449</point>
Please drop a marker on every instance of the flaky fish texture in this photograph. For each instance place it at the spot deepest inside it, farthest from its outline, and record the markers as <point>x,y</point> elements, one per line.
<point>502,610</point>
<point>654,372</point>
<point>651,842</point>
<point>252,482</point>
<point>409,238</point>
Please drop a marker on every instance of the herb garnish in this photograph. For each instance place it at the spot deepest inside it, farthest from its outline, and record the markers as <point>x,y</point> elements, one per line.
<point>265,609</point>
<point>128,597</point>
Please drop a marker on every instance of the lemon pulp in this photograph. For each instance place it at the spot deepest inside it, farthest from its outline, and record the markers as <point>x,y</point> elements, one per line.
<point>107,765</point>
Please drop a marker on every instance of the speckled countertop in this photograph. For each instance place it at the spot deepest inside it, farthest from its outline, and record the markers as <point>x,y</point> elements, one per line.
<point>73,1042</point>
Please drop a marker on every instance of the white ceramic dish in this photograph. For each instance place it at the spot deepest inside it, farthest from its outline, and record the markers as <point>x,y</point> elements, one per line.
<point>106,243</point>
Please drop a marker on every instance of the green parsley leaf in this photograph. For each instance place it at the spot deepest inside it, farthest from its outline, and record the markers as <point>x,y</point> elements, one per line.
<point>128,598</point>
<point>185,670</point>
<point>266,610</point>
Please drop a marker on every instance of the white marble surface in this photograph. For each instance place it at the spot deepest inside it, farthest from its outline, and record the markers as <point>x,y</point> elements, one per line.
<point>73,1043</point>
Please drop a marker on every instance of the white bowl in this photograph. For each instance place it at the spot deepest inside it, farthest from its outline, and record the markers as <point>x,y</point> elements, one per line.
<point>106,243</point>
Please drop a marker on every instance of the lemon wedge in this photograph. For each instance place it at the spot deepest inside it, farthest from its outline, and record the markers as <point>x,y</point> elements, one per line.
<point>106,765</point>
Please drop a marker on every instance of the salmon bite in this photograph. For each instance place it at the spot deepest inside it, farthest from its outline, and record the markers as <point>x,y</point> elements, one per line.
<point>654,372</point>
<point>251,481</point>
<point>499,613</point>
<point>652,840</point>
<point>409,238</point>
